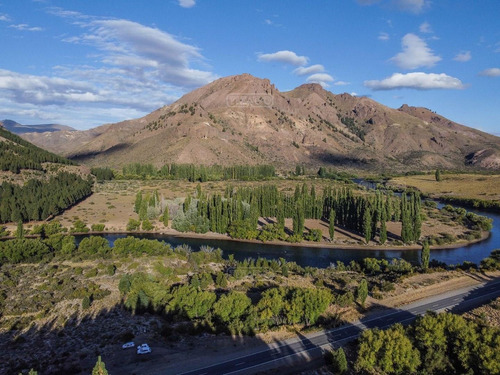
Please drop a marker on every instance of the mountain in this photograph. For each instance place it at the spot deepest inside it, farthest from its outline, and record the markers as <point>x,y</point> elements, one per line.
<point>17,128</point>
<point>244,119</point>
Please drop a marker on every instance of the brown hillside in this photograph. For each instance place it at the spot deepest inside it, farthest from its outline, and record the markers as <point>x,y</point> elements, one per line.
<point>244,119</point>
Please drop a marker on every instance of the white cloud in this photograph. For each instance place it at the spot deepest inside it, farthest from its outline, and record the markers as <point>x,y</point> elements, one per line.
<point>285,57</point>
<point>4,17</point>
<point>322,78</point>
<point>383,36</point>
<point>415,53</point>
<point>416,80</point>
<point>342,83</point>
<point>492,72</point>
<point>132,70</point>
<point>187,3</point>
<point>137,48</point>
<point>367,2</point>
<point>463,56</point>
<point>413,6</point>
<point>25,27</point>
<point>425,28</point>
<point>303,71</point>
<point>44,90</point>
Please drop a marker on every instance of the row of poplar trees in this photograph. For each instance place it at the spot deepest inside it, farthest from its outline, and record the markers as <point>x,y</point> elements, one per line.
<point>366,214</point>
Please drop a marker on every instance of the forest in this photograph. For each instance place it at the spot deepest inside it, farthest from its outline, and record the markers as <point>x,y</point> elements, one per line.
<point>435,344</point>
<point>199,173</point>
<point>17,154</point>
<point>237,212</point>
<point>39,199</point>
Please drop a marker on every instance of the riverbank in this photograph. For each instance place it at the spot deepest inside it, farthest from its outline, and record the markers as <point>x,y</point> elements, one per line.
<point>324,244</point>
<point>358,242</point>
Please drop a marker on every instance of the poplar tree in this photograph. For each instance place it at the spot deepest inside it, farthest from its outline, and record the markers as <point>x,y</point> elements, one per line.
<point>298,219</point>
<point>165,216</point>
<point>331,227</point>
<point>383,231</point>
<point>437,175</point>
<point>367,224</point>
<point>280,214</point>
<point>425,256</point>
<point>362,292</point>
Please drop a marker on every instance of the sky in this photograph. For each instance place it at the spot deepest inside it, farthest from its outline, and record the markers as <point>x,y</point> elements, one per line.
<point>84,63</point>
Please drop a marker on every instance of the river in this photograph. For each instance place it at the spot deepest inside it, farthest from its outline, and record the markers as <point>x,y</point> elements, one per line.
<point>322,257</point>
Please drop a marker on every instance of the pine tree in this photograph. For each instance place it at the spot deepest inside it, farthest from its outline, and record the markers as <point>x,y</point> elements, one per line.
<point>331,226</point>
<point>100,368</point>
<point>425,256</point>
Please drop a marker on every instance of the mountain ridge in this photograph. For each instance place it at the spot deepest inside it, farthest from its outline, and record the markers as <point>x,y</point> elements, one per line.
<point>246,120</point>
<point>17,128</point>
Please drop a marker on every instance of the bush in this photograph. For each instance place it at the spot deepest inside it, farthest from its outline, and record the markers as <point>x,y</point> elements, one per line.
<point>146,225</point>
<point>190,221</point>
<point>86,302</point>
<point>97,227</point>
<point>79,227</point>
<point>314,235</point>
<point>242,229</point>
<point>133,225</point>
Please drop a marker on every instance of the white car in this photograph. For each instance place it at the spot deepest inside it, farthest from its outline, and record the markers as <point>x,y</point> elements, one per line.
<point>128,345</point>
<point>143,349</point>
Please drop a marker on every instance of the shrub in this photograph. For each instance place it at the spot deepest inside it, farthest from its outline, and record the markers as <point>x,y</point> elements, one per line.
<point>314,235</point>
<point>97,227</point>
<point>133,225</point>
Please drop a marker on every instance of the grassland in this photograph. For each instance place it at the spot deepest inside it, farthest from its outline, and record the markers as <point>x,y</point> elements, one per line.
<point>473,186</point>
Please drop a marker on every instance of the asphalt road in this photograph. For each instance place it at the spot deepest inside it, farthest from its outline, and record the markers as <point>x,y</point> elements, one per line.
<point>309,347</point>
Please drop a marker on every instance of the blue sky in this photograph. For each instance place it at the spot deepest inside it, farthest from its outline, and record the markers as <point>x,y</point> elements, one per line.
<point>86,63</point>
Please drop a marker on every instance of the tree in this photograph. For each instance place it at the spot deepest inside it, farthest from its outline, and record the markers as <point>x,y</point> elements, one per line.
<point>425,256</point>
<point>280,214</point>
<point>138,202</point>
<point>362,292</point>
<point>383,232</point>
<point>231,307</point>
<point>20,230</point>
<point>437,175</point>
<point>331,226</point>
<point>100,368</point>
<point>387,352</point>
<point>298,219</point>
<point>337,361</point>
<point>367,224</point>
<point>165,217</point>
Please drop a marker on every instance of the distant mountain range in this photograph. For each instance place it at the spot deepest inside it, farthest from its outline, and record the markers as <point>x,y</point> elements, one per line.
<point>17,128</point>
<point>246,120</point>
